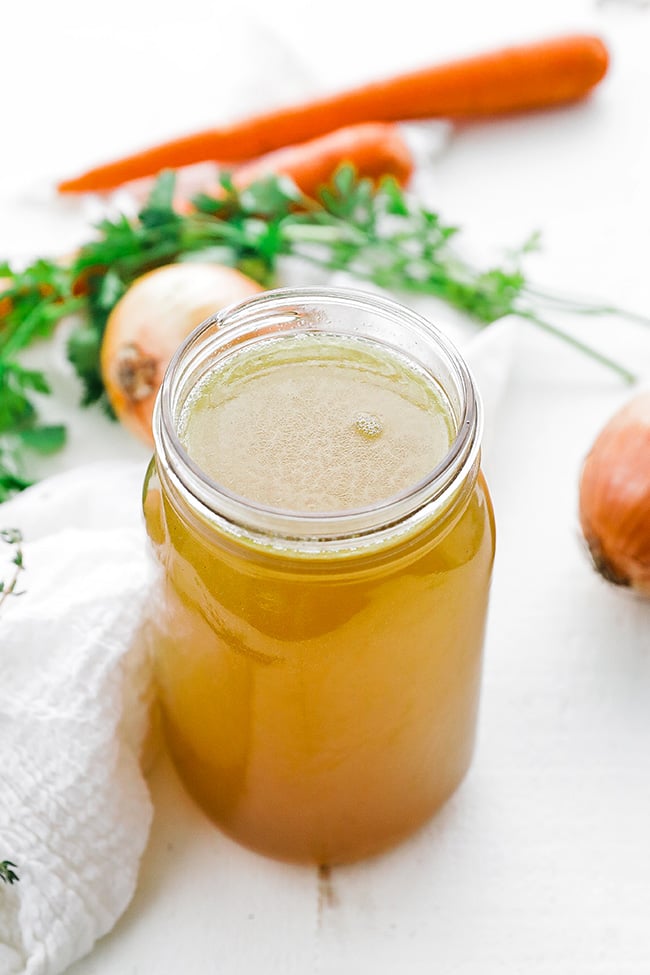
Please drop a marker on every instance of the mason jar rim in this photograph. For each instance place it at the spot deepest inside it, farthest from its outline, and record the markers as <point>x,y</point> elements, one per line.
<point>236,324</point>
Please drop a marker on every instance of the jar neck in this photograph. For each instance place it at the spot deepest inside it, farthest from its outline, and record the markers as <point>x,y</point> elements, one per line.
<point>345,313</point>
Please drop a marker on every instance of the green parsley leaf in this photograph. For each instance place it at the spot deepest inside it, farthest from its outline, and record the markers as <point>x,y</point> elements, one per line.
<point>44,439</point>
<point>159,210</point>
<point>83,351</point>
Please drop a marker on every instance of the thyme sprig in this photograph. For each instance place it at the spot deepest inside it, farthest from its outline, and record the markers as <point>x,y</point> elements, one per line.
<point>378,233</point>
<point>7,874</point>
<point>13,538</point>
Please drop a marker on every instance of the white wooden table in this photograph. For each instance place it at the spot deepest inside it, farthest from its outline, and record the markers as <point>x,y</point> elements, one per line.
<point>541,862</point>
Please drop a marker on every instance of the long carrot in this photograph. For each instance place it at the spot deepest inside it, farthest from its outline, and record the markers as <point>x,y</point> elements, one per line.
<point>512,79</point>
<point>375,149</point>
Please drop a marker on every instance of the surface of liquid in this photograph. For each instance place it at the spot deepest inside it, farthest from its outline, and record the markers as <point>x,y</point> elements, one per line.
<point>316,423</point>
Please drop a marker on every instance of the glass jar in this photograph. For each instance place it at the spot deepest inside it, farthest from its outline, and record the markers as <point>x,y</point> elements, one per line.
<point>319,673</point>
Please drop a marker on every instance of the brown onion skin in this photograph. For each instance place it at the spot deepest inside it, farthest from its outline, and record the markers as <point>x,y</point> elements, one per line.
<point>614,497</point>
<point>150,321</point>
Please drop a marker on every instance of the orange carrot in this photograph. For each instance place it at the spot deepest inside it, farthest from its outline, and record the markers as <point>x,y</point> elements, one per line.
<point>375,149</point>
<point>513,79</point>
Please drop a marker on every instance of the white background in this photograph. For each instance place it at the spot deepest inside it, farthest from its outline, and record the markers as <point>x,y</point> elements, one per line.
<point>541,862</point>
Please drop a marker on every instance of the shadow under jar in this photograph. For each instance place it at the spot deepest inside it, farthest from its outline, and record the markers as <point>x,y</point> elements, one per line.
<point>324,541</point>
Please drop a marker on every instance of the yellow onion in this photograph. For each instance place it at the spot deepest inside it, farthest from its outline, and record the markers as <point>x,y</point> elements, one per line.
<point>150,321</point>
<point>615,497</point>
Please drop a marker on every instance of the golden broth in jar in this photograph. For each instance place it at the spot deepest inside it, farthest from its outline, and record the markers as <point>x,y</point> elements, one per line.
<point>325,543</point>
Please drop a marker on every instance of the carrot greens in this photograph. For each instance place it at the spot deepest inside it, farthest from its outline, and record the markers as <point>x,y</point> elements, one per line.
<point>378,233</point>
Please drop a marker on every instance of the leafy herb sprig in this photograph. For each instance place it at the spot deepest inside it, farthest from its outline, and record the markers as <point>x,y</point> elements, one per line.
<point>378,233</point>
<point>32,301</point>
<point>7,588</point>
<point>6,873</point>
<point>12,537</point>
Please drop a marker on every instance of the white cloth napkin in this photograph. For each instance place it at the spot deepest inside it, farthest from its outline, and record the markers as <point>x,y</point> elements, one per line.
<point>74,701</point>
